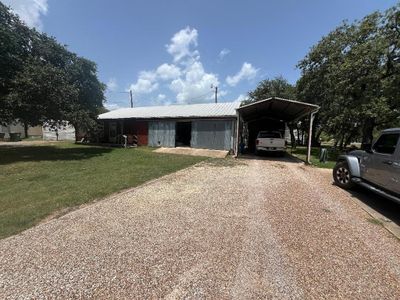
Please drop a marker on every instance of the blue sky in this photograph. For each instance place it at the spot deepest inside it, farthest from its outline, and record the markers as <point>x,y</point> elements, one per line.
<point>173,51</point>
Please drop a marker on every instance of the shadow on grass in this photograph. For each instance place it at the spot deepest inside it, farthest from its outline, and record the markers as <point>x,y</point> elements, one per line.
<point>9,155</point>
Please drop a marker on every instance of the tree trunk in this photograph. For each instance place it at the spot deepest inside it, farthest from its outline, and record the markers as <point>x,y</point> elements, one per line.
<point>340,143</point>
<point>26,129</point>
<point>315,137</point>
<point>367,133</point>
<point>336,143</point>
<point>347,141</point>
<point>298,134</point>
<point>76,133</point>
<point>292,136</point>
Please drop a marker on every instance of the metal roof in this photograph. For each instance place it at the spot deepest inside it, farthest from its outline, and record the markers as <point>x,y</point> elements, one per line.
<point>204,110</point>
<point>277,108</point>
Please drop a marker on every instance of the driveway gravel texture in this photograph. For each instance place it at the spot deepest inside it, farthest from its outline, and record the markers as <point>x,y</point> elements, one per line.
<point>248,229</point>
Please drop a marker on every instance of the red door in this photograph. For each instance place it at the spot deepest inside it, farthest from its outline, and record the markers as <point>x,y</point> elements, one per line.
<point>142,133</point>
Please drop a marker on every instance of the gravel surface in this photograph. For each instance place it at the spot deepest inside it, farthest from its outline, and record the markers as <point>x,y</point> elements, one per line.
<point>247,230</point>
<point>193,152</point>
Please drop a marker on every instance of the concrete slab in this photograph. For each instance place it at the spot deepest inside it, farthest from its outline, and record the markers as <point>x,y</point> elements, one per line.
<point>194,152</point>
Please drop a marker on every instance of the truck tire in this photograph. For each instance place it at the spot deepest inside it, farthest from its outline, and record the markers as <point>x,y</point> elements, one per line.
<point>342,176</point>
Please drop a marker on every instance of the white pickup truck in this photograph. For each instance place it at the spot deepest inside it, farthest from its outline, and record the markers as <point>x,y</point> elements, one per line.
<point>270,141</point>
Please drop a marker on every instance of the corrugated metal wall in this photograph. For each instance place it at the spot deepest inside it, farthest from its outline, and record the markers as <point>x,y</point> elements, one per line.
<point>213,134</point>
<point>162,133</point>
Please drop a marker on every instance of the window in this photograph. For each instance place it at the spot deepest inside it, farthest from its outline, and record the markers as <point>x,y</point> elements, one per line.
<point>266,134</point>
<point>386,143</point>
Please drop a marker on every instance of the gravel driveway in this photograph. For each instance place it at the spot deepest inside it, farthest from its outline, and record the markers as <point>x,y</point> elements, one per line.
<point>253,229</point>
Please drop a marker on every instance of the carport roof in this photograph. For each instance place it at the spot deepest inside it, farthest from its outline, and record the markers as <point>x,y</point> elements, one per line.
<point>276,108</point>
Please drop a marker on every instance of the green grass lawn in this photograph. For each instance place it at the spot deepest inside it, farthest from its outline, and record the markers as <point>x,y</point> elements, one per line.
<point>301,153</point>
<point>37,181</point>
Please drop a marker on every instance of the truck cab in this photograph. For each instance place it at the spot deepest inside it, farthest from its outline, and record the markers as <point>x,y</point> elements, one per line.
<point>377,168</point>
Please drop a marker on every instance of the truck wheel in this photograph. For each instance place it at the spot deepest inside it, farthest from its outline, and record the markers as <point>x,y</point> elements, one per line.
<point>342,175</point>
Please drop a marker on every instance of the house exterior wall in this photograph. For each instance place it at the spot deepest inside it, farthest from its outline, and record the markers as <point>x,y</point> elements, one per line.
<point>142,133</point>
<point>12,128</point>
<point>213,134</point>
<point>136,128</point>
<point>161,133</point>
<point>19,128</point>
<point>216,134</point>
<point>65,133</point>
<point>35,131</point>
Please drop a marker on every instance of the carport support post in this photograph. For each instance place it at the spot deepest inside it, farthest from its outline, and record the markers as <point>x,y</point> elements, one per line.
<point>308,160</point>
<point>237,133</point>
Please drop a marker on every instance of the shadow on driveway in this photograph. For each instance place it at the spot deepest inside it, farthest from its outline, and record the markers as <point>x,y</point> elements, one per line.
<point>389,209</point>
<point>270,157</point>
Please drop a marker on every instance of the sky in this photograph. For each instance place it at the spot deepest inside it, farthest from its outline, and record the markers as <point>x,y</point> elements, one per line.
<point>178,51</point>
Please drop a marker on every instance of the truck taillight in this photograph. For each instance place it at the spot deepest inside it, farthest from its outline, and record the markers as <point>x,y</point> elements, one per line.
<point>257,141</point>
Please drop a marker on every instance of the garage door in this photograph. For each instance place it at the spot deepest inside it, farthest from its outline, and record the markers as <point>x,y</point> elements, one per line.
<point>212,134</point>
<point>162,133</point>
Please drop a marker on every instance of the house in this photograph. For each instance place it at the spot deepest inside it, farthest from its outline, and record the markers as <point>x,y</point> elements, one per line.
<point>63,132</point>
<point>219,126</point>
<point>18,128</point>
<point>209,126</point>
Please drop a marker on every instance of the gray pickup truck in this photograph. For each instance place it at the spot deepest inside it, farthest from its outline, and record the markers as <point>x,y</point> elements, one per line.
<point>377,168</point>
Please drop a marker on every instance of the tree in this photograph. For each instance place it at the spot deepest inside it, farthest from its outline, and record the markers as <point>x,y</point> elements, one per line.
<point>15,46</point>
<point>41,81</point>
<point>352,73</point>
<point>277,87</point>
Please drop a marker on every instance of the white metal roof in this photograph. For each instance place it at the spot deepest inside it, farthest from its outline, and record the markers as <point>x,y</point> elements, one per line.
<point>204,110</point>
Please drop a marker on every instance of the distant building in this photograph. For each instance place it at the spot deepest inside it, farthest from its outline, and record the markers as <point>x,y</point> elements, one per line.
<point>63,132</point>
<point>18,127</point>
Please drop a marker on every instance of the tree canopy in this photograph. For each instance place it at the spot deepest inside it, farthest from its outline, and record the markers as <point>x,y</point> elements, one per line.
<point>353,74</point>
<point>276,87</point>
<point>40,80</point>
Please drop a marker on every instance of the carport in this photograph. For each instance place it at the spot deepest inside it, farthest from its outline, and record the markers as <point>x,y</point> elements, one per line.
<point>276,112</point>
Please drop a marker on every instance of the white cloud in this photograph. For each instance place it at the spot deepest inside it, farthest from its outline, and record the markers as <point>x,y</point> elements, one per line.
<point>195,86</point>
<point>112,84</point>
<point>30,11</point>
<point>185,74</point>
<point>112,106</point>
<point>241,97</point>
<point>185,77</point>
<point>247,72</point>
<point>168,71</point>
<point>161,97</point>
<point>224,52</point>
<point>182,43</point>
<point>145,84</point>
